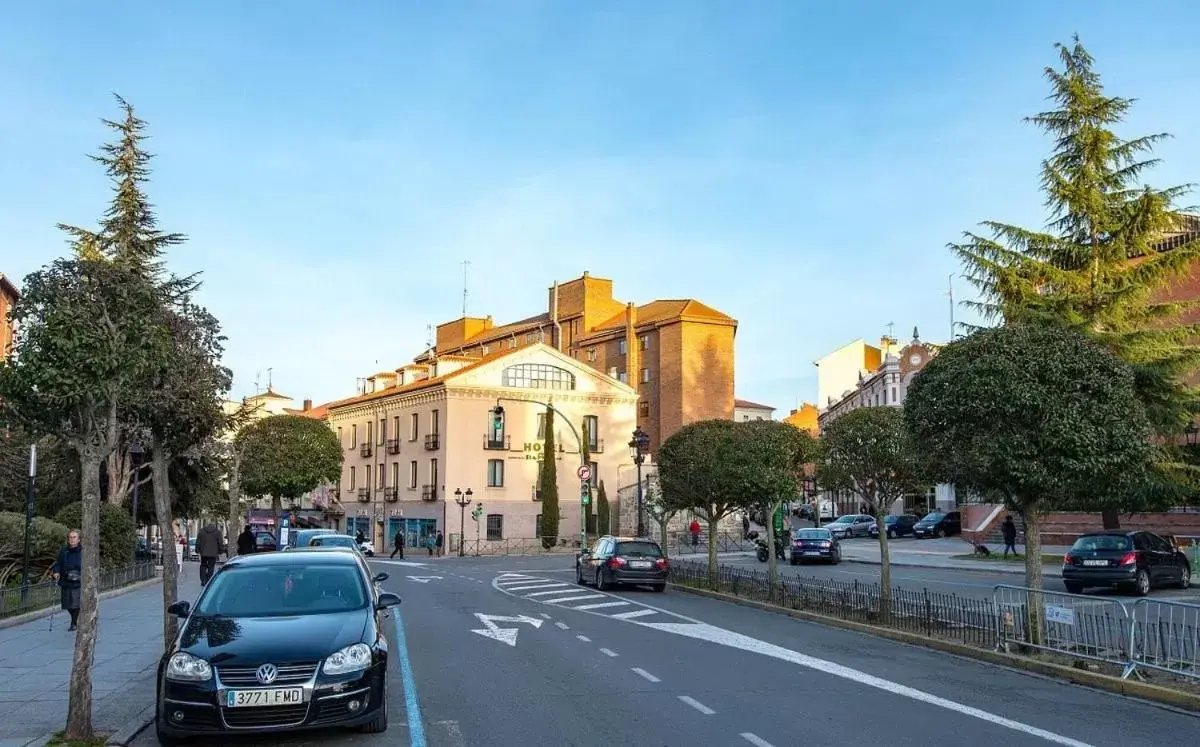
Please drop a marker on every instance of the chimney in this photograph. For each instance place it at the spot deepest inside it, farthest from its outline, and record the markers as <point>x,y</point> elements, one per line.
<point>632,359</point>
<point>307,405</point>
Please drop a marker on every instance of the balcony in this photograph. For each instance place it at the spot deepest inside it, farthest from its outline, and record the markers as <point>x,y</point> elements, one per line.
<point>429,493</point>
<point>391,495</point>
<point>596,447</point>
<point>393,446</point>
<point>364,449</point>
<point>364,495</point>
<point>504,443</point>
<point>432,441</point>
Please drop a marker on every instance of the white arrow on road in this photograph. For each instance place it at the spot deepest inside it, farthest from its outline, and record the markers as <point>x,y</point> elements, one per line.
<point>424,579</point>
<point>504,635</point>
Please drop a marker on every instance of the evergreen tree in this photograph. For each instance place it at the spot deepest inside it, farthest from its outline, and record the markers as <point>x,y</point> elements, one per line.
<point>589,523</point>
<point>548,485</point>
<point>603,512</point>
<point>1110,245</point>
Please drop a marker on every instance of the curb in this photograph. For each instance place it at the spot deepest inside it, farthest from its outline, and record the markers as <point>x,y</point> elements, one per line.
<point>1129,688</point>
<point>15,620</point>
<point>968,568</point>
<point>127,733</point>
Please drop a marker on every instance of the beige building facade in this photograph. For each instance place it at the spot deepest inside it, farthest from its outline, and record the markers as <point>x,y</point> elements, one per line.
<point>417,435</point>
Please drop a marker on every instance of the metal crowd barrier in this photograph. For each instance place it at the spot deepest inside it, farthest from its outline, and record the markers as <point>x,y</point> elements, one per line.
<point>1165,636</point>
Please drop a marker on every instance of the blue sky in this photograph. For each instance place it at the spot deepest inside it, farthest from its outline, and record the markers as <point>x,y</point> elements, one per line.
<point>796,165</point>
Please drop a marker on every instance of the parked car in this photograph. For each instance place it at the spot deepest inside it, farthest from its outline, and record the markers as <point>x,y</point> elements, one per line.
<point>938,524</point>
<point>616,561</point>
<point>815,544</point>
<point>334,540</point>
<point>265,542</point>
<point>277,642</point>
<point>300,537</point>
<point>1138,561</point>
<point>851,525</point>
<point>898,525</point>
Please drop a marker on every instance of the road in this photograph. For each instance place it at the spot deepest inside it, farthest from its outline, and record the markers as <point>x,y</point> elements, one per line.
<point>595,668</point>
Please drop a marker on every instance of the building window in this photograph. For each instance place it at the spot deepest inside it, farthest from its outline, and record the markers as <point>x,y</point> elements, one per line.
<point>495,475</point>
<point>495,526</point>
<point>894,398</point>
<point>591,426</point>
<point>645,375</point>
<point>612,372</point>
<point>484,350</point>
<point>353,482</point>
<point>643,409</point>
<point>354,436</point>
<point>341,439</point>
<point>595,480</point>
<point>591,355</point>
<point>623,378</point>
<point>370,429</point>
<point>433,473</point>
<point>537,376</point>
<point>396,427</point>
<point>382,431</point>
<point>395,474</point>
<point>644,342</point>
<point>621,347</point>
<point>367,478</point>
<point>380,478</point>
<point>435,422</point>
<point>412,474</point>
<point>512,343</point>
<point>414,426</point>
<point>529,337</point>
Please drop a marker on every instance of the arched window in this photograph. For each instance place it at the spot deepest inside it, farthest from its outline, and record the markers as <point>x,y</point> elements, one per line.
<point>538,376</point>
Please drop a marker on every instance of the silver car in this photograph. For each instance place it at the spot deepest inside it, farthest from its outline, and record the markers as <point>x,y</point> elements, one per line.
<point>851,525</point>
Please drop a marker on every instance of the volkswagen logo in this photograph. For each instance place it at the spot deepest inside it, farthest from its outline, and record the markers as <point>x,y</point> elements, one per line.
<point>267,673</point>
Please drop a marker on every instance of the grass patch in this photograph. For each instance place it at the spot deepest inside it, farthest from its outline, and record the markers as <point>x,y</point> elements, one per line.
<point>58,740</point>
<point>996,557</point>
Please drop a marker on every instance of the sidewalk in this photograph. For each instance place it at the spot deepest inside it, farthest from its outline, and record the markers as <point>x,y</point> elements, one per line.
<point>35,664</point>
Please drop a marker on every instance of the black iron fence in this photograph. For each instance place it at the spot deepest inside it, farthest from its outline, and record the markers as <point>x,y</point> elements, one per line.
<point>969,621</point>
<point>15,601</point>
<point>680,543</point>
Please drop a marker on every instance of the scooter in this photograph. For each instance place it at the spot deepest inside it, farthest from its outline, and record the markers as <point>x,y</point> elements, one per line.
<point>762,553</point>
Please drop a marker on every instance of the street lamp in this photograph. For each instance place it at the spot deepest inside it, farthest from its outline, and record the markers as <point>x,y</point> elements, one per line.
<point>1191,432</point>
<point>135,453</point>
<point>30,495</point>
<point>637,449</point>
<point>463,500</point>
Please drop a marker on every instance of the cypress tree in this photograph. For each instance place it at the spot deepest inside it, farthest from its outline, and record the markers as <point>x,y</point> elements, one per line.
<point>603,517</point>
<point>586,458</point>
<point>1109,247</point>
<point>548,485</point>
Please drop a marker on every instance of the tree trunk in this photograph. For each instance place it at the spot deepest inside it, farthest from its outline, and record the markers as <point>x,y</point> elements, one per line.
<point>277,511</point>
<point>235,497</point>
<point>160,468</point>
<point>1033,571</point>
<point>662,531</point>
<point>885,567</point>
<point>79,703</point>
<point>712,552</point>
<point>772,561</point>
<point>1111,518</point>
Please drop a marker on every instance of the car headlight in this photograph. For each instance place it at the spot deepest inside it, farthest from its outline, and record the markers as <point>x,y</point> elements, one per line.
<point>350,659</point>
<point>188,668</point>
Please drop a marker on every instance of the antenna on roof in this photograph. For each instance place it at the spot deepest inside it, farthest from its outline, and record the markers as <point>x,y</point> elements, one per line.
<point>466,266</point>
<point>257,380</point>
<point>270,378</point>
<point>891,326</point>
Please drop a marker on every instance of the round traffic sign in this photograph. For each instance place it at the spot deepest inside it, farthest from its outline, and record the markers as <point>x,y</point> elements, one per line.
<point>584,472</point>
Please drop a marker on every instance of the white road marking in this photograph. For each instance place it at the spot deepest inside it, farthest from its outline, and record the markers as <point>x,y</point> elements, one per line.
<point>609,652</point>
<point>601,605</point>
<point>755,740</point>
<point>584,638</point>
<point>712,634</point>
<point>560,600</point>
<point>531,586</point>
<point>543,614</point>
<point>645,675</point>
<point>563,625</point>
<point>454,735</point>
<point>697,705</point>
<point>631,615</point>
<point>408,563</point>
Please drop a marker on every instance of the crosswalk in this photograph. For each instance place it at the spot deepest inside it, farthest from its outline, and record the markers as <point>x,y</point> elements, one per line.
<point>560,593</point>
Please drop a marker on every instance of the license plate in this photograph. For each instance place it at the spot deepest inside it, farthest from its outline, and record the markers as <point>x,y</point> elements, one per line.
<point>264,698</point>
<point>640,564</point>
<point>1095,562</point>
<point>811,552</point>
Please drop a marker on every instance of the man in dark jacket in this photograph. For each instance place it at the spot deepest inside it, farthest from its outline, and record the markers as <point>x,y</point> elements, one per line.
<point>398,545</point>
<point>246,542</point>
<point>209,544</point>
<point>1009,530</point>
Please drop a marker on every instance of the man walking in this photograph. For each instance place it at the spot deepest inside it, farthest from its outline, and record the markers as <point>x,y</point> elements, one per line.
<point>209,545</point>
<point>246,541</point>
<point>398,544</point>
<point>1009,530</point>
<point>440,542</point>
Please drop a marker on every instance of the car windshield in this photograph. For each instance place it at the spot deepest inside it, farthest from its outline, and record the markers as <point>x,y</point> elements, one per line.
<point>283,590</point>
<point>811,534</point>
<point>638,550</point>
<point>1091,543</point>
<point>935,516</point>
<point>847,519</point>
<point>890,519</point>
<point>333,540</point>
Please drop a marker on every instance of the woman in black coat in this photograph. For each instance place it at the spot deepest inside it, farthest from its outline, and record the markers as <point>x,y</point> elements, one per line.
<point>68,572</point>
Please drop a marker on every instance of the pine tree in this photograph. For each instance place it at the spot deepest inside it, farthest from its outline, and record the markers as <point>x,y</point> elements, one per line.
<point>1103,257</point>
<point>548,485</point>
<point>603,517</point>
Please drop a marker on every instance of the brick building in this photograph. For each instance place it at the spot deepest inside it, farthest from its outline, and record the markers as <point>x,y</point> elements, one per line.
<point>8,297</point>
<point>677,353</point>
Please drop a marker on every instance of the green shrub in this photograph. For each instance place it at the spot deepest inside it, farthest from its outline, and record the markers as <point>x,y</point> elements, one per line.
<point>117,537</point>
<point>45,539</point>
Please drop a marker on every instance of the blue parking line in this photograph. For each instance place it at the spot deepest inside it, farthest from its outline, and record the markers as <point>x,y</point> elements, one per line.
<point>412,704</point>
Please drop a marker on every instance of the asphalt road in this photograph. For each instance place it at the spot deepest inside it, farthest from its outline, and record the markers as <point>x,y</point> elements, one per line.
<point>639,668</point>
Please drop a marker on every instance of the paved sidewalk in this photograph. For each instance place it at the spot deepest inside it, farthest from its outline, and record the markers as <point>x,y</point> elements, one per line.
<point>35,664</point>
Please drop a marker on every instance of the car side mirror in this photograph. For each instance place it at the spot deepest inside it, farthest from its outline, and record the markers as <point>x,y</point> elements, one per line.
<point>387,599</point>
<point>180,609</point>
<point>585,551</point>
<point>380,578</point>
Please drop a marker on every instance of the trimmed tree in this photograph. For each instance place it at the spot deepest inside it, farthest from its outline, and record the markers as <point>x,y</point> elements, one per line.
<point>548,484</point>
<point>868,451</point>
<point>286,456</point>
<point>1100,264</point>
<point>603,511</point>
<point>88,335</point>
<point>703,467</point>
<point>1039,415</point>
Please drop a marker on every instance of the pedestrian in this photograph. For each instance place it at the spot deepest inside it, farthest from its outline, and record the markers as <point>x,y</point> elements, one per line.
<point>745,526</point>
<point>429,543</point>
<point>245,541</point>
<point>694,528</point>
<point>68,572</point>
<point>1009,530</point>
<point>398,545</point>
<point>359,537</point>
<point>209,545</point>
<point>440,542</point>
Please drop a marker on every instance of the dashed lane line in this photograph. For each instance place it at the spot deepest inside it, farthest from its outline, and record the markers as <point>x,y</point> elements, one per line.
<point>645,675</point>
<point>697,705</point>
<point>609,653</point>
<point>562,626</point>
<point>754,739</point>
<point>584,638</point>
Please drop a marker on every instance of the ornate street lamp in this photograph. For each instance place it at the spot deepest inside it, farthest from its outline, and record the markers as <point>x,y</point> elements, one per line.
<point>637,450</point>
<point>463,500</point>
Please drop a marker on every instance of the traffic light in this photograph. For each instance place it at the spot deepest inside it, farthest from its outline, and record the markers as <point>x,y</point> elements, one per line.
<point>477,512</point>
<point>497,418</point>
<point>585,493</point>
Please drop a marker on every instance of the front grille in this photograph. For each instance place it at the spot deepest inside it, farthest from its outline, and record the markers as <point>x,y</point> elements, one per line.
<point>289,674</point>
<point>249,718</point>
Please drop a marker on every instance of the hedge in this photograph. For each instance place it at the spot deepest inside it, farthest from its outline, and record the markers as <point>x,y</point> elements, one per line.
<point>46,537</point>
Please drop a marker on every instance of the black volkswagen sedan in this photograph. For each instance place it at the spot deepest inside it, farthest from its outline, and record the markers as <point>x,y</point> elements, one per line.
<point>278,642</point>
<point>815,544</point>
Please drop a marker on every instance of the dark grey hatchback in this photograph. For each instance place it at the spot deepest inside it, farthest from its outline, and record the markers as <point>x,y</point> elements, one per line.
<point>614,561</point>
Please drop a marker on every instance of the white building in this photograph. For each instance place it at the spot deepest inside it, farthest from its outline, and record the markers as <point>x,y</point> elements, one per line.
<point>747,410</point>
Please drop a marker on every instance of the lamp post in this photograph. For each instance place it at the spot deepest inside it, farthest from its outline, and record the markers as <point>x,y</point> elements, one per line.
<point>30,495</point>
<point>1191,432</point>
<point>135,453</point>
<point>637,449</point>
<point>463,500</point>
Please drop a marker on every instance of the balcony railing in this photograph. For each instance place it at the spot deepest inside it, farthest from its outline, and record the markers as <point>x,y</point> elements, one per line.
<point>390,495</point>
<point>504,443</point>
<point>393,446</point>
<point>596,447</point>
<point>364,449</point>
<point>364,495</point>
<point>429,492</point>
<point>432,441</point>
